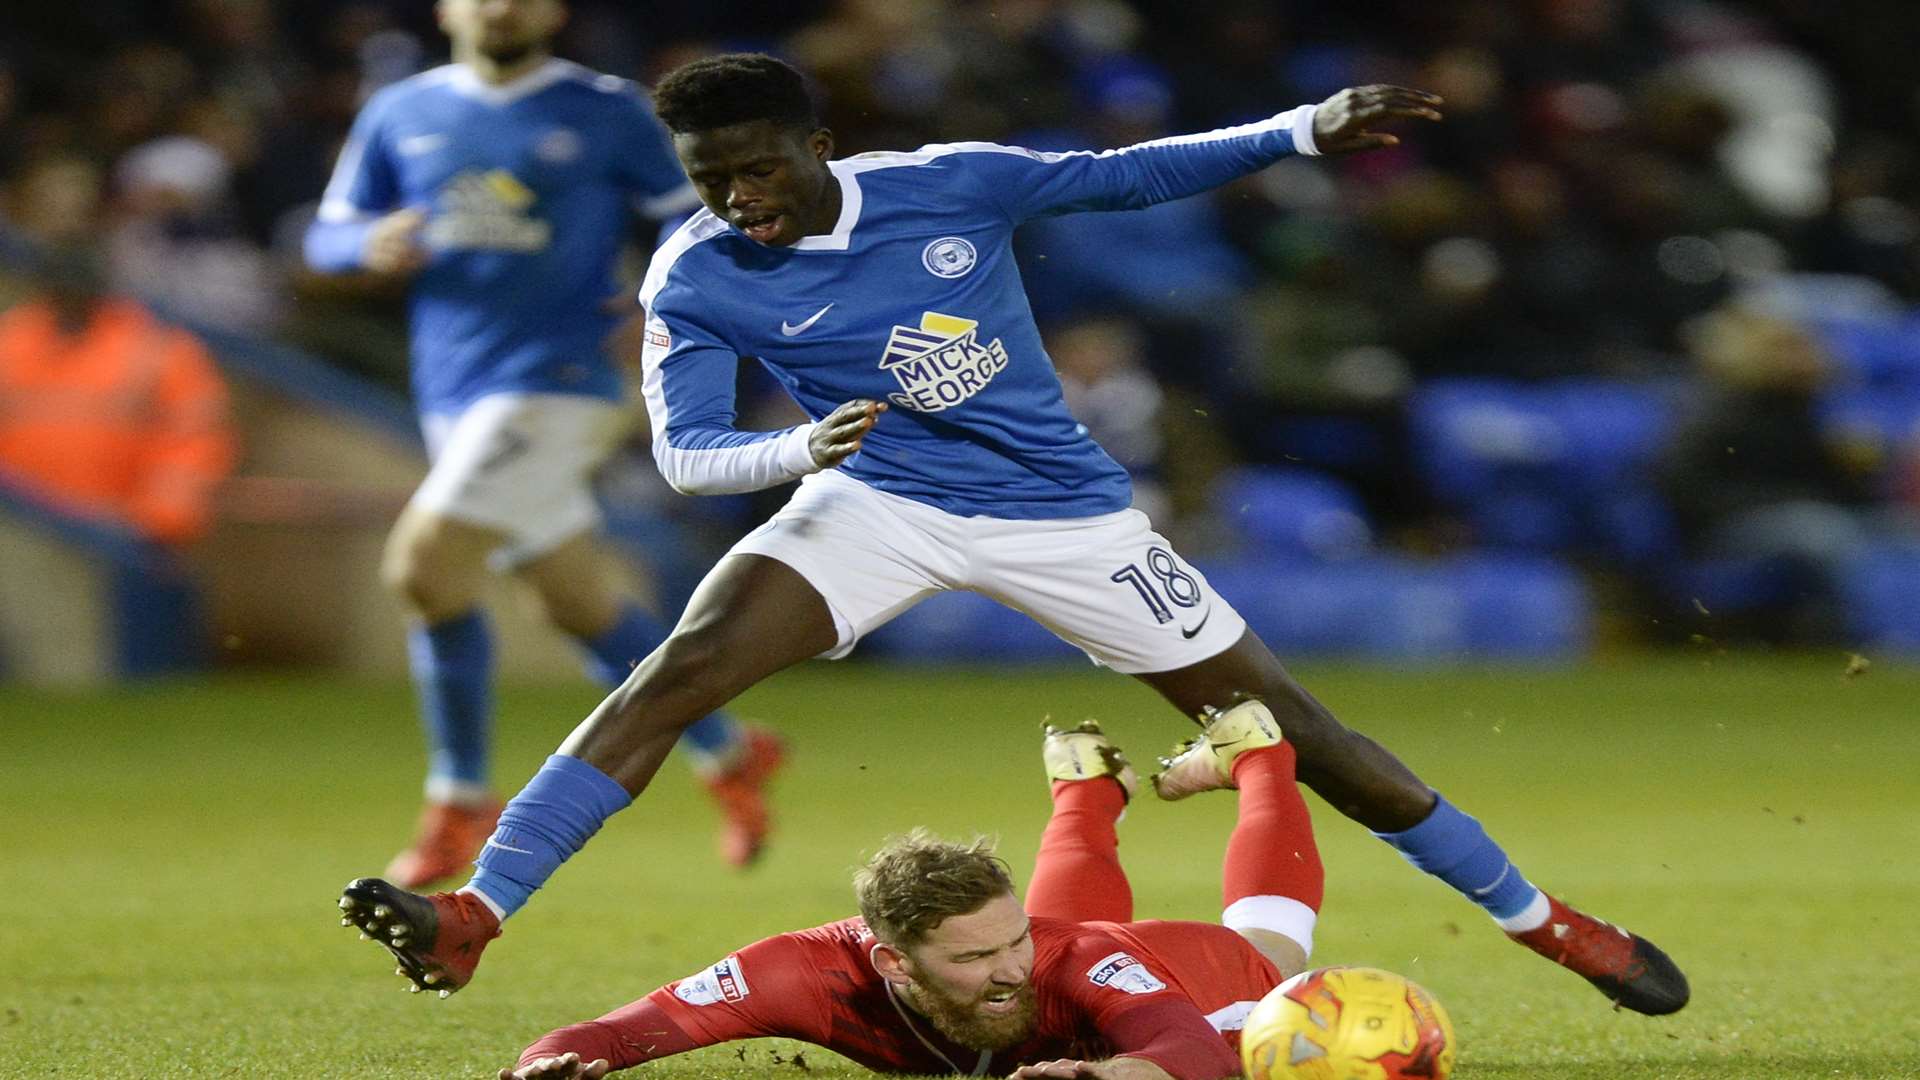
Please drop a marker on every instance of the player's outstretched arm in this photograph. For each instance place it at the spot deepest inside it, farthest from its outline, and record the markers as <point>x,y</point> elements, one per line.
<point>559,1067</point>
<point>1025,184</point>
<point>1346,122</point>
<point>1120,1068</point>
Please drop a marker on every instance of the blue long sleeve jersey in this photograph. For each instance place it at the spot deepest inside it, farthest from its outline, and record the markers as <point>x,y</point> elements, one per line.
<point>528,190</point>
<point>913,299</point>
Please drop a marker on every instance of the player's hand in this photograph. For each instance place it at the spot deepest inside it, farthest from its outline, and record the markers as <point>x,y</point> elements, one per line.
<point>838,437</point>
<point>1345,122</point>
<point>567,1066</point>
<point>1120,1068</point>
<point>393,243</point>
<point>1062,1070</point>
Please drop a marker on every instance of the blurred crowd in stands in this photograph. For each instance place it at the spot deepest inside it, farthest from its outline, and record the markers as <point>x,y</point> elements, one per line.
<point>1716,203</point>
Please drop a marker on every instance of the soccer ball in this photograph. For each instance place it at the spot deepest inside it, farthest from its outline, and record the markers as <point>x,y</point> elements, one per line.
<point>1347,1023</point>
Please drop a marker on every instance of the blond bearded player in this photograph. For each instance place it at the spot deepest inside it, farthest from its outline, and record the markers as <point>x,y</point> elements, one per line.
<point>945,972</point>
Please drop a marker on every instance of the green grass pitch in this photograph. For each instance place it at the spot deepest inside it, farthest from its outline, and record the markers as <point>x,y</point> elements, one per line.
<point>173,853</point>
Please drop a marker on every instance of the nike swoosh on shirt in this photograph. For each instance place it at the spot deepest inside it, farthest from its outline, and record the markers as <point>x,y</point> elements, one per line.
<point>1188,634</point>
<point>505,847</point>
<point>790,330</point>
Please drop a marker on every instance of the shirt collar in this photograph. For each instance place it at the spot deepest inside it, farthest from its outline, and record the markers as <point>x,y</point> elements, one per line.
<point>850,198</point>
<point>463,79</point>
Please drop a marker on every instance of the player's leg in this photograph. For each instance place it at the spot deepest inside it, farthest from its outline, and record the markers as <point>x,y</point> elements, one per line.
<point>436,566</point>
<point>1356,775</point>
<point>1363,780</point>
<point>839,560</point>
<point>1077,874</point>
<point>751,617</point>
<point>1115,588</point>
<point>1271,881</point>
<point>584,598</point>
<point>508,477</point>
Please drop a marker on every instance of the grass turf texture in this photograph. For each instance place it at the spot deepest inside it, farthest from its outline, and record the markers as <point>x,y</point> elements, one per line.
<point>174,854</point>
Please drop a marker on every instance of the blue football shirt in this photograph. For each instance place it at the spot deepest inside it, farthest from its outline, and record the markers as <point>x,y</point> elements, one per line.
<point>914,299</point>
<point>528,190</point>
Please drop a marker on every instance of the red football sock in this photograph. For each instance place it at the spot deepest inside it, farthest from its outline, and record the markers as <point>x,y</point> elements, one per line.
<point>1077,874</point>
<point>1271,851</point>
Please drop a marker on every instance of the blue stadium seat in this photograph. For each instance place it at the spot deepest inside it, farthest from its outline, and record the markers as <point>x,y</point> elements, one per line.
<point>1730,586</point>
<point>1482,607</point>
<point>1612,430</point>
<point>1881,593</point>
<point>1304,609</point>
<point>1491,450</point>
<point>1873,348</point>
<point>1295,514</point>
<point>1521,608</point>
<point>1471,435</point>
<point>1885,417</point>
<point>1547,467</point>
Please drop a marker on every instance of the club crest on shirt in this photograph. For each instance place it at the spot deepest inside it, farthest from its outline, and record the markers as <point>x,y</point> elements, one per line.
<point>949,257</point>
<point>487,211</point>
<point>723,981</point>
<point>941,362</point>
<point>1122,972</point>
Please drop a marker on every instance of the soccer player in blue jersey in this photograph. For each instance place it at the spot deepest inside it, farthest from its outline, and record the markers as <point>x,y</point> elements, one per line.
<point>502,184</point>
<point>881,291</point>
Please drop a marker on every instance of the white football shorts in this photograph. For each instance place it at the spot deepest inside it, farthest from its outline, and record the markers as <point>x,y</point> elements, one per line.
<point>522,464</point>
<point>1109,585</point>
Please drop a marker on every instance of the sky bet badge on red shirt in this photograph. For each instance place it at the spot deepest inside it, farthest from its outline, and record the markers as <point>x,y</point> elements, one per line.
<point>1122,972</point>
<point>723,981</point>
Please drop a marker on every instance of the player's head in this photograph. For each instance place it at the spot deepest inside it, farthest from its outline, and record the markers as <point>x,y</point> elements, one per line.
<point>951,937</point>
<point>745,131</point>
<point>504,31</point>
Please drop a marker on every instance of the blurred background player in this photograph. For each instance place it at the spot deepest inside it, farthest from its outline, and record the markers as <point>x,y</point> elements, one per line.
<point>501,185</point>
<point>945,973</point>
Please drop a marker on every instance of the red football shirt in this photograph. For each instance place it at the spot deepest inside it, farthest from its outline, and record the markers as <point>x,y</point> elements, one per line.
<point>1175,993</point>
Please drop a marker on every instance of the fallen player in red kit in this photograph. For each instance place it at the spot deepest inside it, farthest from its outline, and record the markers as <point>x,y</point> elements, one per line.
<point>946,972</point>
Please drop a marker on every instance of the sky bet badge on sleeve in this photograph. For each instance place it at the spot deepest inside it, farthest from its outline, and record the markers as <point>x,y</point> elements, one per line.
<point>723,981</point>
<point>1122,972</point>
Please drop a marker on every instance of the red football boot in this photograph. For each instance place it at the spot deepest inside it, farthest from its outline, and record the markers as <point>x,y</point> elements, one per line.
<point>449,837</point>
<point>1626,967</point>
<point>740,791</point>
<point>437,939</point>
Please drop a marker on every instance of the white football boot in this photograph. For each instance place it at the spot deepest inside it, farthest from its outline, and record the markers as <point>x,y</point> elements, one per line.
<point>1084,752</point>
<point>1205,762</point>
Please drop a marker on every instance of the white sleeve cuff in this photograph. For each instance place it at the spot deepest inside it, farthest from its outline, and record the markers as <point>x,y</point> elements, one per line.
<point>796,457</point>
<point>1303,131</point>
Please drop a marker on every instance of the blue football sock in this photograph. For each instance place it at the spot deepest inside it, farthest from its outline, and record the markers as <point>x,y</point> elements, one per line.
<point>558,811</point>
<point>1453,847</point>
<point>452,664</point>
<point>612,655</point>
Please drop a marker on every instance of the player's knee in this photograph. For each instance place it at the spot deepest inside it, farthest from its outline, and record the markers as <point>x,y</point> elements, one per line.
<point>694,654</point>
<point>580,613</point>
<point>418,580</point>
<point>710,659</point>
